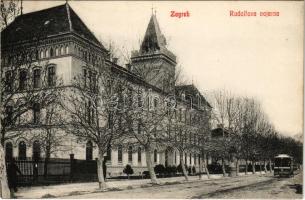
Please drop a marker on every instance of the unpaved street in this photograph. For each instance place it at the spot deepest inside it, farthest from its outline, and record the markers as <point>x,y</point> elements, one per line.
<point>252,186</point>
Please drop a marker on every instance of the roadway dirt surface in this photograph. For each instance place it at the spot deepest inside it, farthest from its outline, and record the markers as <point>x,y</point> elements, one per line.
<point>250,186</point>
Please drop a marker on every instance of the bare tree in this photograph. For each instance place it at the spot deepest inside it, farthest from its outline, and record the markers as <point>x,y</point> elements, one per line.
<point>146,116</point>
<point>9,9</point>
<point>93,108</point>
<point>24,95</point>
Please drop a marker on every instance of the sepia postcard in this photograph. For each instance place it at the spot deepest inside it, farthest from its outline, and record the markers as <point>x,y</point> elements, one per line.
<point>151,99</point>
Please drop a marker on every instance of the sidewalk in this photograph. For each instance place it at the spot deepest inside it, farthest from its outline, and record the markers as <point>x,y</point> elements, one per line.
<point>62,190</point>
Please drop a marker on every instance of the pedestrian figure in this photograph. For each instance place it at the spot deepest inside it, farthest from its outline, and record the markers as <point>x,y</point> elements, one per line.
<point>12,171</point>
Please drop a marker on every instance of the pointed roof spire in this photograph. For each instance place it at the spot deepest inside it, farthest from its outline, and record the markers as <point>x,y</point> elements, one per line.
<point>153,39</point>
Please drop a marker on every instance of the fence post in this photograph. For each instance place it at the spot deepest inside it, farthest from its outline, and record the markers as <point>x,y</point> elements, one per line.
<point>71,166</point>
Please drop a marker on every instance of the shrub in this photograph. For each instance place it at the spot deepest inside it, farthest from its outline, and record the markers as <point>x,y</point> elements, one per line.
<point>189,169</point>
<point>171,169</point>
<point>179,168</point>
<point>159,169</point>
<point>128,170</point>
<point>194,170</point>
<point>146,174</point>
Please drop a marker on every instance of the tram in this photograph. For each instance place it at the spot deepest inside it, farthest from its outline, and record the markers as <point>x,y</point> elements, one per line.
<point>283,165</point>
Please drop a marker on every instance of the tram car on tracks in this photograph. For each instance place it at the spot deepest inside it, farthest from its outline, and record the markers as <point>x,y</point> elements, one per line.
<point>283,165</point>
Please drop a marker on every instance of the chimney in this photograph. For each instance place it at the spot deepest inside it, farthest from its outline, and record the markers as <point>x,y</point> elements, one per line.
<point>115,60</point>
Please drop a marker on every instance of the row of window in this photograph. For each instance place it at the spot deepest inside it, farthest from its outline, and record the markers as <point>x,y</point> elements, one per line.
<point>24,77</point>
<point>89,154</point>
<point>57,51</point>
<point>22,148</point>
<point>36,110</point>
<point>90,79</point>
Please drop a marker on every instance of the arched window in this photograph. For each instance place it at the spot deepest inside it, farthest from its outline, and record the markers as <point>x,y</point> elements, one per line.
<point>130,154</point>
<point>51,75</point>
<point>89,150</point>
<point>155,155</point>
<point>36,150</point>
<point>22,79</point>
<point>56,51</point>
<point>22,150</point>
<point>37,78</point>
<point>67,49</point>
<point>62,51</point>
<point>120,153</point>
<point>51,52</point>
<point>9,115</point>
<point>190,158</point>
<point>139,154</point>
<point>46,53</point>
<point>8,151</point>
<point>41,54</point>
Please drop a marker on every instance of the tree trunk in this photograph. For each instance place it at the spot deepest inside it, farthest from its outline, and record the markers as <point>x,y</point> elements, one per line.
<point>260,167</point>
<point>150,168</point>
<point>100,173</point>
<point>4,189</point>
<point>237,166</point>
<point>223,166</point>
<point>246,170</point>
<point>265,166</point>
<point>253,167</point>
<point>200,168</point>
<point>46,162</point>
<point>183,167</point>
<point>270,166</point>
<point>206,169</point>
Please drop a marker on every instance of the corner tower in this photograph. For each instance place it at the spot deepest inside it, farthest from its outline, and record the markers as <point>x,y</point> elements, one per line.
<point>154,62</point>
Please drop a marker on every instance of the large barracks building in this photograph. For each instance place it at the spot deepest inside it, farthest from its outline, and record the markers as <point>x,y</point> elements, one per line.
<point>67,46</point>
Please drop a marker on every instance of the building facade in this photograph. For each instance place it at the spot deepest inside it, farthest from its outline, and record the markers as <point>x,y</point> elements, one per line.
<point>61,44</point>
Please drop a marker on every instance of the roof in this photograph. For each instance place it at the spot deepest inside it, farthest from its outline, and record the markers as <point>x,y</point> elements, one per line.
<point>52,21</point>
<point>190,90</point>
<point>153,39</point>
<point>282,156</point>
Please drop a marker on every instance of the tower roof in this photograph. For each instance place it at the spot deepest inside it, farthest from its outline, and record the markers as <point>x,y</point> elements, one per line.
<point>48,22</point>
<point>153,39</point>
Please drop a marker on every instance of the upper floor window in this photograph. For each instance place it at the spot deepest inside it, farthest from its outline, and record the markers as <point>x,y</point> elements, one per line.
<point>130,154</point>
<point>36,113</point>
<point>89,150</point>
<point>8,81</point>
<point>139,154</point>
<point>46,53</point>
<point>85,77</point>
<point>9,115</point>
<point>92,80</point>
<point>22,79</point>
<point>37,78</point>
<point>120,153</point>
<point>155,155</point>
<point>51,52</point>
<point>51,76</point>
<point>67,49</point>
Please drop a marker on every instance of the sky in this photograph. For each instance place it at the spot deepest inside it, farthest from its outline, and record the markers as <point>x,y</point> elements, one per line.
<point>260,57</point>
